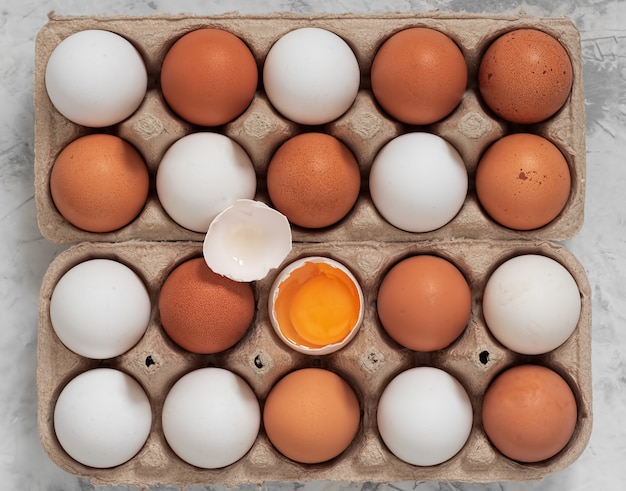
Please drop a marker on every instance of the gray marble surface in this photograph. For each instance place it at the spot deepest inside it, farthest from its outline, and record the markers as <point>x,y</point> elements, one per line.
<point>601,245</point>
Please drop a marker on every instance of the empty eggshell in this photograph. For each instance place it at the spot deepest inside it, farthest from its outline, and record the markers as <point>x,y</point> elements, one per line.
<point>247,240</point>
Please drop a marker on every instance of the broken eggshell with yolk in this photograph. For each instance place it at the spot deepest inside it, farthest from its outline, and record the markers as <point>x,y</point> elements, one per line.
<point>316,305</point>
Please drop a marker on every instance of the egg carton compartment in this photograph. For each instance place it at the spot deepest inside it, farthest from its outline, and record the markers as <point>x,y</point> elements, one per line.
<point>367,363</point>
<point>365,128</point>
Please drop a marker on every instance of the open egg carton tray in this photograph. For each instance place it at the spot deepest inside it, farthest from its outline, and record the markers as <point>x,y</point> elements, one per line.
<point>153,245</point>
<point>364,128</point>
<point>367,363</point>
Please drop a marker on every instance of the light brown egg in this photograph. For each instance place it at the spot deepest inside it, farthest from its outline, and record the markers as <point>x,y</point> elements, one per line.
<point>529,413</point>
<point>523,181</point>
<point>424,303</point>
<point>202,311</point>
<point>99,183</point>
<point>311,415</point>
<point>525,76</point>
<point>313,179</point>
<point>209,77</point>
<point>419,75</point>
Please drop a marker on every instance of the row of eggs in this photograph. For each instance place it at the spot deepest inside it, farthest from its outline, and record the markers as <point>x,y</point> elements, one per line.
<point>209,76</point>
<point>424,425</point>
<point>101,308</point>
<point>418,181</point>
<point>211,417</point>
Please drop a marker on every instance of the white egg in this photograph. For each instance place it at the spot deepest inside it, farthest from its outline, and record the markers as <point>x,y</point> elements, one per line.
<point>418,182</point>
<point>102,418</point>
<point>531,304</point>
<point>100,308</point>
<point>96,78</point>
<point>311,76</point>
<point>247,240</point>
<point>211,418</point>
<point>202,174</point>
<point>424,416</point>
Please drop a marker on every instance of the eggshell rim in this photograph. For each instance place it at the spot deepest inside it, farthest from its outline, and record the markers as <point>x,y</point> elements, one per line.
<point>273,294</point>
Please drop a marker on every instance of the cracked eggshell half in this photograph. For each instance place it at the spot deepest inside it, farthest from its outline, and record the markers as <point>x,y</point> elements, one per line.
<point>247,240</point>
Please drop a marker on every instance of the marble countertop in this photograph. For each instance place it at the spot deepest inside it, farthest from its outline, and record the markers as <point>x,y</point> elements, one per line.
<point>600,246</point>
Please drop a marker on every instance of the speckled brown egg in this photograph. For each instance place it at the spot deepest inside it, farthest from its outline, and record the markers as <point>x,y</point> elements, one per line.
<point>202,311</point>
<point>525,76</point>
<point>424,303</point>
<point>523,181</point>
<point>99,183</point>
<point>209,77</point>
<point>311,415</point>
<point>419,75</point>
<point>313,179</point>
<point>529,413</point>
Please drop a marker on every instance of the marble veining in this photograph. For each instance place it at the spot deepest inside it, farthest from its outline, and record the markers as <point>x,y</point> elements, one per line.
<point>600,246</point>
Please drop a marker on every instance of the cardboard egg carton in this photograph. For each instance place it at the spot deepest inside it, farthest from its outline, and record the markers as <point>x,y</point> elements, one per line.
<point>364,128</point>
<point>367,363</point>
<point>153,245</point>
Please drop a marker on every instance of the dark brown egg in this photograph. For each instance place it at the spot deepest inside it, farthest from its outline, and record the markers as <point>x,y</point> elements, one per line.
<point>525,76</point>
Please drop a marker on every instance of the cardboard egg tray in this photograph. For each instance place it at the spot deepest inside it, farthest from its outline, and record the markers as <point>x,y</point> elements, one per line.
<point>365,128</point>
<point>153,245</point>
<point>367,363</point>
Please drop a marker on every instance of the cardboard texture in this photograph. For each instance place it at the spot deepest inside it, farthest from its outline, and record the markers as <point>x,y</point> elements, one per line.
<point>368,363</point>
<point>364,128</point>
<point>153,245</point>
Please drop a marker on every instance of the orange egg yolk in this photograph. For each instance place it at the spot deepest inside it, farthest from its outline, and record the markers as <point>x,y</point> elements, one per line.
<point>317,305</point>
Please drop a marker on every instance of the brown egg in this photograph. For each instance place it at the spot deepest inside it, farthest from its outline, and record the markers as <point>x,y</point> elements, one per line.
<point>202,311</point>
<point>311,415</point>
<point>529,413</point>
<point>523,181</point>
<point>313,179</point>
<point>424,303</point>
<point>209,77</point>
<point>99,183</point>
<point>525,76</point>
<point>419,76</point>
